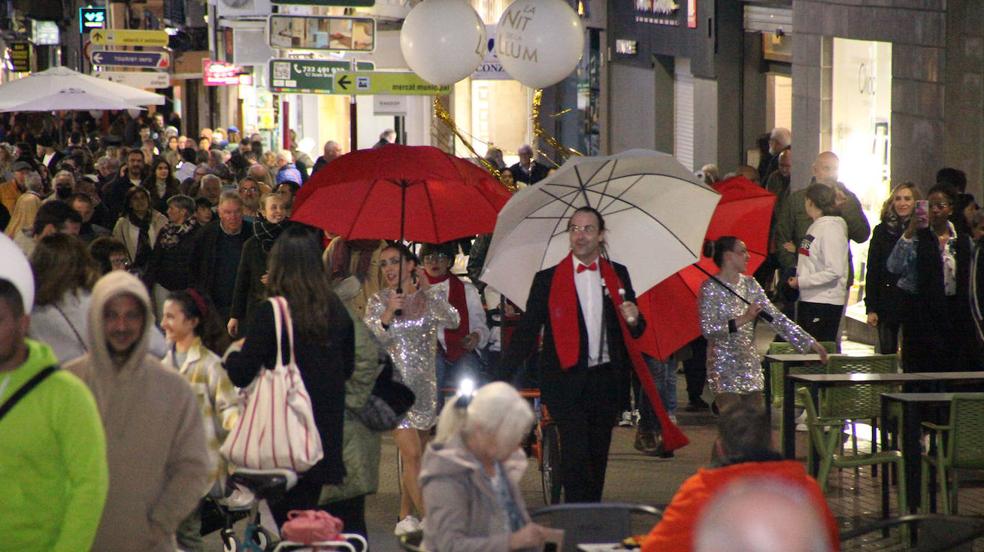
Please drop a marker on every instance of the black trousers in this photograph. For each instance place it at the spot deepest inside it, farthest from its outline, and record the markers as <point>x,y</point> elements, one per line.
<point>888,337</point>
<point>585,436</point>
<point>820,320</point>
<point>304,496</point>
<point>695,369</point>
<point>352,512</point>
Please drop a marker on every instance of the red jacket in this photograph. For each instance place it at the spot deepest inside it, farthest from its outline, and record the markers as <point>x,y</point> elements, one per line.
<point>675,532</point>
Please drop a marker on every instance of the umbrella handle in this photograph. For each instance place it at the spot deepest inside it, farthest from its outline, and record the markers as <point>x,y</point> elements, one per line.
<point>762,314</point>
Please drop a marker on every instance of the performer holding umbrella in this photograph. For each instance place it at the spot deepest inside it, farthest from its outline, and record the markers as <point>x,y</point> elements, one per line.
<point>583,304</point>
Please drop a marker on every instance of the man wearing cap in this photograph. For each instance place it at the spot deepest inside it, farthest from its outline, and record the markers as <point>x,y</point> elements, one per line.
<point>13,188</point>
<point>528,170</point>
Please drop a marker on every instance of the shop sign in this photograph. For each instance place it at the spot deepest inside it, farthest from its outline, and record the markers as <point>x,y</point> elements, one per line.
<point>386,83</point>
<point>20,56</point>
<point>149,60</point>
<point>91,19</point>
<point>128,37</point>
<point>660,12</point>
<point>344,3</point>
<point>305,76</point>
<point>137,79</point>
<point>389,105</point>
<point>302,32</point>
<point>490,68</point>
<point>220,73</point>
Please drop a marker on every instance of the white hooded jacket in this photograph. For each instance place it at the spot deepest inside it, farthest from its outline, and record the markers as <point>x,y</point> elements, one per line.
<point>821,266</point>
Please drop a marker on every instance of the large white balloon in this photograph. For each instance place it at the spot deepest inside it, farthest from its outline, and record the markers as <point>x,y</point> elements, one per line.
<point>17,270</point>
<point>443,41</point>
<point>539,42</point>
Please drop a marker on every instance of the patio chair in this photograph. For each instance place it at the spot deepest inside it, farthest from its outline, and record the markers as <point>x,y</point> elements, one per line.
<point>825,437</point>
<point>959,445</point>
<point>860,403</point>
<point>922,533</point>
<point>775,368</point>
<point>594,522</point>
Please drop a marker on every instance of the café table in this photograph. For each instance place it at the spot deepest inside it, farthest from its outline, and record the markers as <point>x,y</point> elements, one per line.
<point>815,382</point>
<point>786,361</point>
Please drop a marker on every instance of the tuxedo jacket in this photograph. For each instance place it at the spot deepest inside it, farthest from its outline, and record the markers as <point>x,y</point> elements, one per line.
<point>562,389</point>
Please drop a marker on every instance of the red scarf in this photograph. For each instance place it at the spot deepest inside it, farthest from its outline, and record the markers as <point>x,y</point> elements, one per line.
<point>456,296</point>
<point>563,308</point>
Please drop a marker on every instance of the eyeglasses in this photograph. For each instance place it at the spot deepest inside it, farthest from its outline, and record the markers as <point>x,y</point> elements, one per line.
<point>587,229</point>
<point>383,263</point>
<point>435,258</point>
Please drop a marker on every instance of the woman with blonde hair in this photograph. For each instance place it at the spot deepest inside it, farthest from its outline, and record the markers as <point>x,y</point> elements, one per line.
<point>471,471</point>
<point>882,296</point>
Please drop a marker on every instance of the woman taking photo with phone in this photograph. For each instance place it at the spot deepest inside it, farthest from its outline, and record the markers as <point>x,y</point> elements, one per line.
<point>933,264</point>
<point>405,318</point>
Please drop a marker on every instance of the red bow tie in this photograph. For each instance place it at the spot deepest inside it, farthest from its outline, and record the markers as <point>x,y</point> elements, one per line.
<point>581,268</point>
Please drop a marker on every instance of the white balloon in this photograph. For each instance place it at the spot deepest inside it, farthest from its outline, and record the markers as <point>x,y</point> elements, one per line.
<point>443,41</point>
<point>539,42</point>
<point>17,270</point>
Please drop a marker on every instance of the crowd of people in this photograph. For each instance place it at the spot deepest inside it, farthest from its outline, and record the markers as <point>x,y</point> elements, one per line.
<point>153,255</point>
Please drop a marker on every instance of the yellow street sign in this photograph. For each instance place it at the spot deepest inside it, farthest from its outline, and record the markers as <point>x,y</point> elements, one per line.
<point>128,37</point>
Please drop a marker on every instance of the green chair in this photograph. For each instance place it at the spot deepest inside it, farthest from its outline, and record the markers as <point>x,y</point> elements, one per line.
<point>775,368</point>
<point>863,402</point>
<point>825,437</point>
<point>959,445</point>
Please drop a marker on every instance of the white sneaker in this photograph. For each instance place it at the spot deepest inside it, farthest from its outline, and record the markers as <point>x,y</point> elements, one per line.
<point>241,498</point>
<point>626,419</point>
<point>406,526</point>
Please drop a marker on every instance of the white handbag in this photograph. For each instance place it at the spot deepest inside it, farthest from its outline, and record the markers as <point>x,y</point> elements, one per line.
<point>276,429</point>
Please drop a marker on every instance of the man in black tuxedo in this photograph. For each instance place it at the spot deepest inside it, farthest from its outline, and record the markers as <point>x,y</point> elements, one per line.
<point>583,362</point>
<point>528,170</point>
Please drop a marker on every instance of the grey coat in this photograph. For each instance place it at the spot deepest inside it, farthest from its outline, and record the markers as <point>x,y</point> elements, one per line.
<point>463,514</point>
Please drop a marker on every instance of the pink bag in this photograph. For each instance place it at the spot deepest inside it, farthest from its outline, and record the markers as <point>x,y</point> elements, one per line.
<point>276,429</point>
<point>310,526</point>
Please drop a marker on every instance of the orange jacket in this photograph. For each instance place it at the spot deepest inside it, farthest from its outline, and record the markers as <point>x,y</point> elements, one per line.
<point>675,532</point>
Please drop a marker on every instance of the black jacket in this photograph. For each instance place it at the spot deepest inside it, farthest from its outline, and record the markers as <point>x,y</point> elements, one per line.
<point>324,367</point>
<point>881,292</point>
<point>249,289</point>
<point>114,195</point>
<point>203,260</point>
<point>536,174</point>
<point>559,388</point>
<point>171,267</point>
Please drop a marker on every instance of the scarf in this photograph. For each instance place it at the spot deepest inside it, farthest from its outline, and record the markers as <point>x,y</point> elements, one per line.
<point>562,307</point>
<point>171,234</point>
<point>268,232</point>
<point>456,296</point>
<point>144,247</point>
<point>894,224</point>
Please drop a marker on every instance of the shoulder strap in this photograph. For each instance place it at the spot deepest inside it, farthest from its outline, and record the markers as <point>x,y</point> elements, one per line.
<point>25,389</point>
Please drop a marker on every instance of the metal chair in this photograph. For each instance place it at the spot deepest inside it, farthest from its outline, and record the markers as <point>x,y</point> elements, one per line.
<point>959,445</point>
<point>825,436</point>
<point>594,522</point>
<point>922,533</point>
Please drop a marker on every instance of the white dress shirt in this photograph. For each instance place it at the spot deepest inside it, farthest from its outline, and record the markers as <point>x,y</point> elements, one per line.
<point>590,297</point>
<point>476,314</point>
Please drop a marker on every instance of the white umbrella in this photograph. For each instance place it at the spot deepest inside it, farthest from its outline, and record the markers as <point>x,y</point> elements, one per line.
<point>656,215</point>
<point>69,99</point>
<point>51,81</point>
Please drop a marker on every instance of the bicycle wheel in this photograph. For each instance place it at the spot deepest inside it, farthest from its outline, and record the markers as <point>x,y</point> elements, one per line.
<point>550,463</point>
<point>229,541</point>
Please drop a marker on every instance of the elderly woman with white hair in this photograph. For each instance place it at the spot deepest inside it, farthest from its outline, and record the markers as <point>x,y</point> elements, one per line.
<point>471,471</point>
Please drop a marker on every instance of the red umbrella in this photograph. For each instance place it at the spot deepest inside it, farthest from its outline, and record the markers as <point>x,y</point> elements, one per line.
<point>745,211</point>
<point>417,193</point>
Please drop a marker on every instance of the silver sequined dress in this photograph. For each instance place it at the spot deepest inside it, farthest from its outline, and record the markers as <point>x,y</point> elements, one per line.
<point>733,366</point>
<point>411,341</point>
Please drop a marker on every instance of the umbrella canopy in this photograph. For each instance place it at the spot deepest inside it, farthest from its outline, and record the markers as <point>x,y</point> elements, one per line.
<point>68,99</point>
<point>418,193</point>
<point>656,213</point>
<point>50,82</point>
<point>745,211</point>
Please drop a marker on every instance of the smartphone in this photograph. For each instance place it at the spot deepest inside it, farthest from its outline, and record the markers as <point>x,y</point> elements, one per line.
<point>922,213</point>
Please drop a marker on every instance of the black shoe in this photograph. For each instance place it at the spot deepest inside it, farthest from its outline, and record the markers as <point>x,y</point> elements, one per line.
<point>645,442</point>
<point>697,406</point>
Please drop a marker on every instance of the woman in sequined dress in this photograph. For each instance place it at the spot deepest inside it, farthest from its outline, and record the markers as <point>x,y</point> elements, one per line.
<point>410,338</point>
<point>734,371</point>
